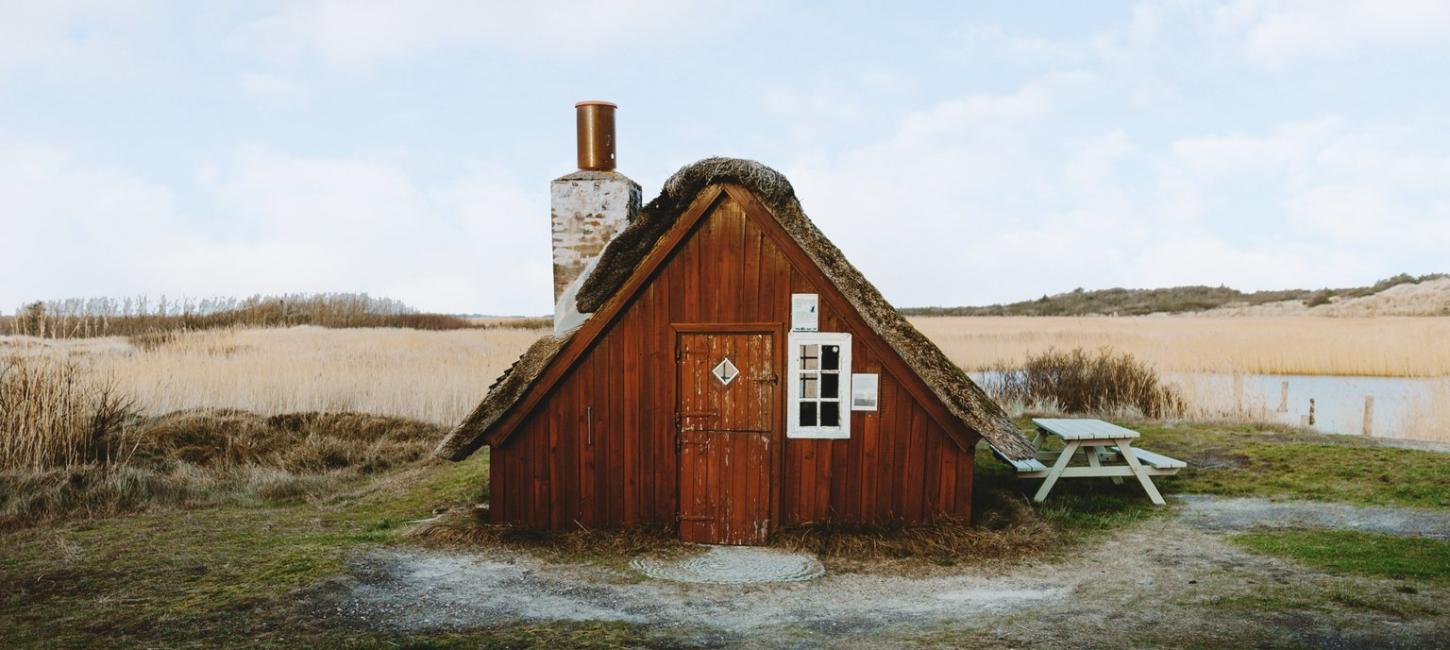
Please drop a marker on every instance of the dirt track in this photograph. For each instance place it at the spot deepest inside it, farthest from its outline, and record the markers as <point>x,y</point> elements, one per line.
<point>1166,580</point>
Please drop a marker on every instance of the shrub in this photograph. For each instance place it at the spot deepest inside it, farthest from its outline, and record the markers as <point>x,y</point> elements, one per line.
<point>72,445</point>
<point>1076,381</point>
<point>55,414</point>
<point>150,324</point>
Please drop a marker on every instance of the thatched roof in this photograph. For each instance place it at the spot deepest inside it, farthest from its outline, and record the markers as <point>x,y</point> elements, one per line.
<point>962,398</point>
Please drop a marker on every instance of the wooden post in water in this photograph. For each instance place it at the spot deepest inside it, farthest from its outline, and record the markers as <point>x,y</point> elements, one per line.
<point>1284,396</point>
<point>1368,415</point>
<point>1238,393</point>
<point>1311,411</point>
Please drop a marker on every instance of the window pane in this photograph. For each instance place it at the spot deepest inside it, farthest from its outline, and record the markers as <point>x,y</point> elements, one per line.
<point>831,357</point>
<point>810,385</point>
<point>830,414</point>
<point>808,414</point>
<point>830,385</point>
<point>810,357</point>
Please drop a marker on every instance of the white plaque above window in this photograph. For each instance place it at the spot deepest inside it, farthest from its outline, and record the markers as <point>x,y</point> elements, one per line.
<point>803,312</point>
<point>864,391</point>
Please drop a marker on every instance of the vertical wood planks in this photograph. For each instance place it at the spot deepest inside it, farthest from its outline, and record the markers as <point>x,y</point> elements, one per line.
<point>898,465</point>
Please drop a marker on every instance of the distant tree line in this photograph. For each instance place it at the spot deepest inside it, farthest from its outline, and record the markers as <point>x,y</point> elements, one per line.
<point>87,317</point>
<point>1138,302</point>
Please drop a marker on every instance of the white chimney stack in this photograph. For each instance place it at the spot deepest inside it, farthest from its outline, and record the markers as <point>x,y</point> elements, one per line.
<point>589,207</point>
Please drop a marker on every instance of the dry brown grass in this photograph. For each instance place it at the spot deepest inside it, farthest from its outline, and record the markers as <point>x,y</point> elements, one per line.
<point>1104,383</point>
<point>431,376</point>
<point>206,457</point>
<point>1389,347</point>
<point>89,317</point>
<point>58,414</point>
<point>1008,529</point>
<point>471,529</point>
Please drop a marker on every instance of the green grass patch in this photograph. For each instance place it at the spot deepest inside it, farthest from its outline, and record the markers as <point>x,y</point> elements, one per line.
<point>1081,510</point>
<point>158,576</point>
<point>235,573</point>
<point>1354,552</point>
<point>1271,461</point>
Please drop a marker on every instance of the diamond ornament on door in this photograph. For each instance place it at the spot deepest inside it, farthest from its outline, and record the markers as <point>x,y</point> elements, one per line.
<point>725,371</point>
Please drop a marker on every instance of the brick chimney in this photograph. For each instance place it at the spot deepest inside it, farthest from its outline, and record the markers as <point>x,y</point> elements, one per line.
<point>589,207</point>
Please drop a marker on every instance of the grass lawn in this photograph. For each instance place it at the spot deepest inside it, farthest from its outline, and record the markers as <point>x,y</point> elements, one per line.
<point>1347,551</point>
<point>234,574</point>
<point>1277,462</point>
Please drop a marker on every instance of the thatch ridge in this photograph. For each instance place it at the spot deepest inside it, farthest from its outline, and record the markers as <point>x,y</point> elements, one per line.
<point>963,398</point>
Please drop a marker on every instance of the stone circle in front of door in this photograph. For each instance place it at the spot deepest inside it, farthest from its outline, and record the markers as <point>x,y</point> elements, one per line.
<point>726,372</point>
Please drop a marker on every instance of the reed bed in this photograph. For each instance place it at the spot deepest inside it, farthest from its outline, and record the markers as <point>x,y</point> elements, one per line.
<point>1079,382</point>
<point>1384,347</point>
<point>430,376</point>
<point>438,376</point>
<point>72,444</point>
<point>58,414</point>
<point>88,317</point>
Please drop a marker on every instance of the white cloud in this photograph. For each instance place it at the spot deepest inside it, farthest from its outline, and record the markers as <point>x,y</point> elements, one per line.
<point>1281,32</point>
<point>1208,260</point>
<point>992,43</point>
<point>274,91</point>
<point>1290,146</point>
<point>68,225</point>
<point>975,112</point>
<point>343,32</point>
<point>80,38</point>
<point>990,194</point>
<point>289,223</point>
<point>1362,188</point>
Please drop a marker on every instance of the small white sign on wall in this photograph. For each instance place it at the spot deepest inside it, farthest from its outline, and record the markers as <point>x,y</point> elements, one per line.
<point>803,312</point>
<point>864,391</point>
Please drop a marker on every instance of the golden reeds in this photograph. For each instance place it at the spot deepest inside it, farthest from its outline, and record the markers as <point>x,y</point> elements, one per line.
<point>432,376</point>
<point>58,414</point>
<point>1388,347</point>
<point>1075,381</point>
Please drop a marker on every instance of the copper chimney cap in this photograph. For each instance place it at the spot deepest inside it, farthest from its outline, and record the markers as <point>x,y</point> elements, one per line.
<point>595,127</point>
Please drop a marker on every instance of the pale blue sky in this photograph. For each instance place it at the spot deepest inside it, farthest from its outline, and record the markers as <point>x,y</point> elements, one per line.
<point>960,153</point>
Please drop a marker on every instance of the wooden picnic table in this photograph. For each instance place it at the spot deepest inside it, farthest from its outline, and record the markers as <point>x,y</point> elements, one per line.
<point>1108,450</point>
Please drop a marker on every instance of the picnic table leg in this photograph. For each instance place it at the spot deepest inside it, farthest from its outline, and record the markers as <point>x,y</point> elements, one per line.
<point>1138,471</point>
<point>1062,459</point>
<point>1093,455</point>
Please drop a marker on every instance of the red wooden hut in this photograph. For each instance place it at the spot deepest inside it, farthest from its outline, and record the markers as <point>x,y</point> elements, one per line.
<point>728,372</point>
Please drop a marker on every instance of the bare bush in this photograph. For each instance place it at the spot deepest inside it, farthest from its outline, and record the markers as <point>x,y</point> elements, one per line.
<point>71,445</point>
<point>141,318</point>
<point>55,414</point>
<point>1075,381</point>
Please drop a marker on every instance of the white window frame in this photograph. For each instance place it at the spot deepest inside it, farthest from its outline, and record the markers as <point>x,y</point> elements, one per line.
<point>843,390</point>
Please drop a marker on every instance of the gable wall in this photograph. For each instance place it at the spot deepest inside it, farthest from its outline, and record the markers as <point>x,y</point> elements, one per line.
<point>898,464</point>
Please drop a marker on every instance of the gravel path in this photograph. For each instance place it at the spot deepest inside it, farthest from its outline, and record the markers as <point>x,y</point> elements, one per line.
<point>421,589</point>
<point>733,565</point>
<point>1220,514</point>
<point>1174,574</point>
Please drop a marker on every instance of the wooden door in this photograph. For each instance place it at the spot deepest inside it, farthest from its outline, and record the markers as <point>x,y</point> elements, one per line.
<point>726,412</point>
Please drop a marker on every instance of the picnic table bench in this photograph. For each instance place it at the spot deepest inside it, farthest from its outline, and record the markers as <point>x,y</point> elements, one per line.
<point>1107,449</point>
